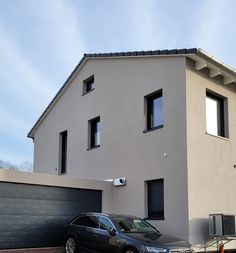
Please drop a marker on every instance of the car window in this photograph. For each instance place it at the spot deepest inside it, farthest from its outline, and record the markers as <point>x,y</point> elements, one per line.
<point>133,225</point>
<point>104,223</point>
<point>86,221</point>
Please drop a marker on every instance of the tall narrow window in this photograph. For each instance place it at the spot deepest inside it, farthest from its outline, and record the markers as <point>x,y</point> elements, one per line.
<point>94,132</point>
<point>88,85</point>
<point>63,152</point>
<point>156,199</point>
<point>154,110</point>
<point>215,115</point>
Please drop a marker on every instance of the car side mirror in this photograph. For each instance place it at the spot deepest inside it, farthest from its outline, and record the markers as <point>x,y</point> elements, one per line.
<point>112,231</point>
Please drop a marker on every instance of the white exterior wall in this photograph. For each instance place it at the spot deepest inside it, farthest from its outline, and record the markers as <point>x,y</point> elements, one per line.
<point>211,159</point>
<point>118,98</point>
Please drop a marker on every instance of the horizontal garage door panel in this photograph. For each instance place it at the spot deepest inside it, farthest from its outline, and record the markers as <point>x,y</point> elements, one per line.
<point>35,216</point>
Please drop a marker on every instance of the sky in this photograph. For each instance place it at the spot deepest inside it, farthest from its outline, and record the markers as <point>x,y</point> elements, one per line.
<point>42,41</point>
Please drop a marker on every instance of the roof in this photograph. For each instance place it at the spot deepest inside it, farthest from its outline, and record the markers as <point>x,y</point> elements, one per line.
<point>111,215</point>
<point>201,58</point>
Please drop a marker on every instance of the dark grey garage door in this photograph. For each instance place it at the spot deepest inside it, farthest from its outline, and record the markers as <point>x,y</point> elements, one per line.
<point>35,215</point>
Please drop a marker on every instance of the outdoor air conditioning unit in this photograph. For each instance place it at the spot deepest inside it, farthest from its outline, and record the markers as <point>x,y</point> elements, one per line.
<point>222,225</point>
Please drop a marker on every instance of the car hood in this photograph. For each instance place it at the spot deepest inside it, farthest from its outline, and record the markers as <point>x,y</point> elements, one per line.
<point>159,239</point>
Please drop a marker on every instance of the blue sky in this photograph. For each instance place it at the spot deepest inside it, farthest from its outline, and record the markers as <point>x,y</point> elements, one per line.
<point>42,41</point>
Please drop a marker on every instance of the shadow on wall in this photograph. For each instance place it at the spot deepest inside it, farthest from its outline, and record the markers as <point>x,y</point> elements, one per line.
<point>199,232</point>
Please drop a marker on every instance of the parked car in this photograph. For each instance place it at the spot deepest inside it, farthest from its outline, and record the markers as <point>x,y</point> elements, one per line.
<point>103,233</point>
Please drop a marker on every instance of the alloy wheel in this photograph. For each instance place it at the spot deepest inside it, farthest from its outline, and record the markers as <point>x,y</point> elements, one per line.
<point>130,251</point>
<point>70,245</point>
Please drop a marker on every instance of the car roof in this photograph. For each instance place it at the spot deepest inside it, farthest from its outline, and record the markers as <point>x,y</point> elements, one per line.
<point>106,215</point>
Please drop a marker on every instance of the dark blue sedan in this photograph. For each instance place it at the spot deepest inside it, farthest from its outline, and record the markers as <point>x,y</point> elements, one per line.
<point>103,233</point>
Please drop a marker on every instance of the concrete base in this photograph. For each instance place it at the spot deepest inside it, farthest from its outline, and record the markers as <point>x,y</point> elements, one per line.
<point>34,250</point>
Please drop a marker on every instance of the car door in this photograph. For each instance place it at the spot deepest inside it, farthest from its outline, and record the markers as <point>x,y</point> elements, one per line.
<point>103,241</point>
<point>85,231</point>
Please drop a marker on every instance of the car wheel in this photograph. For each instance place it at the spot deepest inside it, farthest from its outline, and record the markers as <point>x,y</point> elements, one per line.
<point>70,245</point>
<point>130,250</point>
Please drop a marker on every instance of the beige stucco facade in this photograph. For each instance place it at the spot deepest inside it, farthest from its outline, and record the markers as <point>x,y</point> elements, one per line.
<point>211,159</point>
<point>197,168</point>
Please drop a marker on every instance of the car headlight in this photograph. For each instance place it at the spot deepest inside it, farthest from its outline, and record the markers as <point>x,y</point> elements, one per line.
<point>155,250</point>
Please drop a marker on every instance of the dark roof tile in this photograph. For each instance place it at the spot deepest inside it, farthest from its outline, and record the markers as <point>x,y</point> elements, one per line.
<point>173,51</point>
<point>164,52</point>
<point>182,51</point>
<point>156,52</point>
<point>134,53</point>
<point>192,50</point>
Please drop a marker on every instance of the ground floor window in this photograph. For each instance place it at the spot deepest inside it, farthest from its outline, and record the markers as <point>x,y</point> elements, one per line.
<point>156,199</point>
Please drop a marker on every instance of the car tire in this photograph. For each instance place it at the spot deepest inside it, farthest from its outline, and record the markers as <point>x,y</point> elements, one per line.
<point>130,250</point>
<point>70,245</point>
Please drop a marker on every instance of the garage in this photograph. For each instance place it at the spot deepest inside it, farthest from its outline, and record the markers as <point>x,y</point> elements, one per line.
<point>33,215</point>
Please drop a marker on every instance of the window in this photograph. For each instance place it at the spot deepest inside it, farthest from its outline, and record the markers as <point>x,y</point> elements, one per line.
<point>86,221</point>
<point>88,85</point>
<point>156,199</point>
<point>94,133</point>
<point>135,225</point>
<point>104,223</point>
<point>154,110</point>
<point>63,152</point>
<point>215,115</point>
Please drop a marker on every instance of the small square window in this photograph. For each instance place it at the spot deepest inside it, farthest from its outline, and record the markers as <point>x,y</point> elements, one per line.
<point>94,133</point>
<point>154,110</point>
<point>216,112</point>
<point>156,199</point>
<point>88,85</point>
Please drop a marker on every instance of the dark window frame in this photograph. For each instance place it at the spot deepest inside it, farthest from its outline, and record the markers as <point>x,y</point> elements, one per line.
<point>221,131</point>
<point>63,152</point>
<point>152,214</point>
<point>149,110</point>
<point>88,85</point>
<point>92,129</point>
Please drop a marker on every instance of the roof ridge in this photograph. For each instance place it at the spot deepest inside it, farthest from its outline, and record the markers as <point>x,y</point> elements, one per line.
<point>148,52</point>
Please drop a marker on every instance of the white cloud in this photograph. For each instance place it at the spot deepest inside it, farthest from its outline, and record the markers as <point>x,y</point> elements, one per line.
<point>14,156</point>
<point>214,19</point>
<point>24,79</point>
<point>11,124</point>
<point>145,21</point>
<point>25,87</point>
<point>62,29</point>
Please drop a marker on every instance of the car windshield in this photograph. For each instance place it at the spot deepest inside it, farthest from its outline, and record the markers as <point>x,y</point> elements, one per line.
<point>133,225</point>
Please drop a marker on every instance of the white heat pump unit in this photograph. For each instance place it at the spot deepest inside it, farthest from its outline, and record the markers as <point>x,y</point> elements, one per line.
<point>222,225</point>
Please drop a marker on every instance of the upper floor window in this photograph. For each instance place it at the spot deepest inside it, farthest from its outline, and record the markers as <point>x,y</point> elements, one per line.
<point>216,120</point>
<point>154,110</point>
<point>63,152</point>
<point>156,199</point>
<point>94,132</point>
<point>88,85</point>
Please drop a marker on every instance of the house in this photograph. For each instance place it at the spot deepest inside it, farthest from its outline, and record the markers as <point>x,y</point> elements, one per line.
<point>164,120</point>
